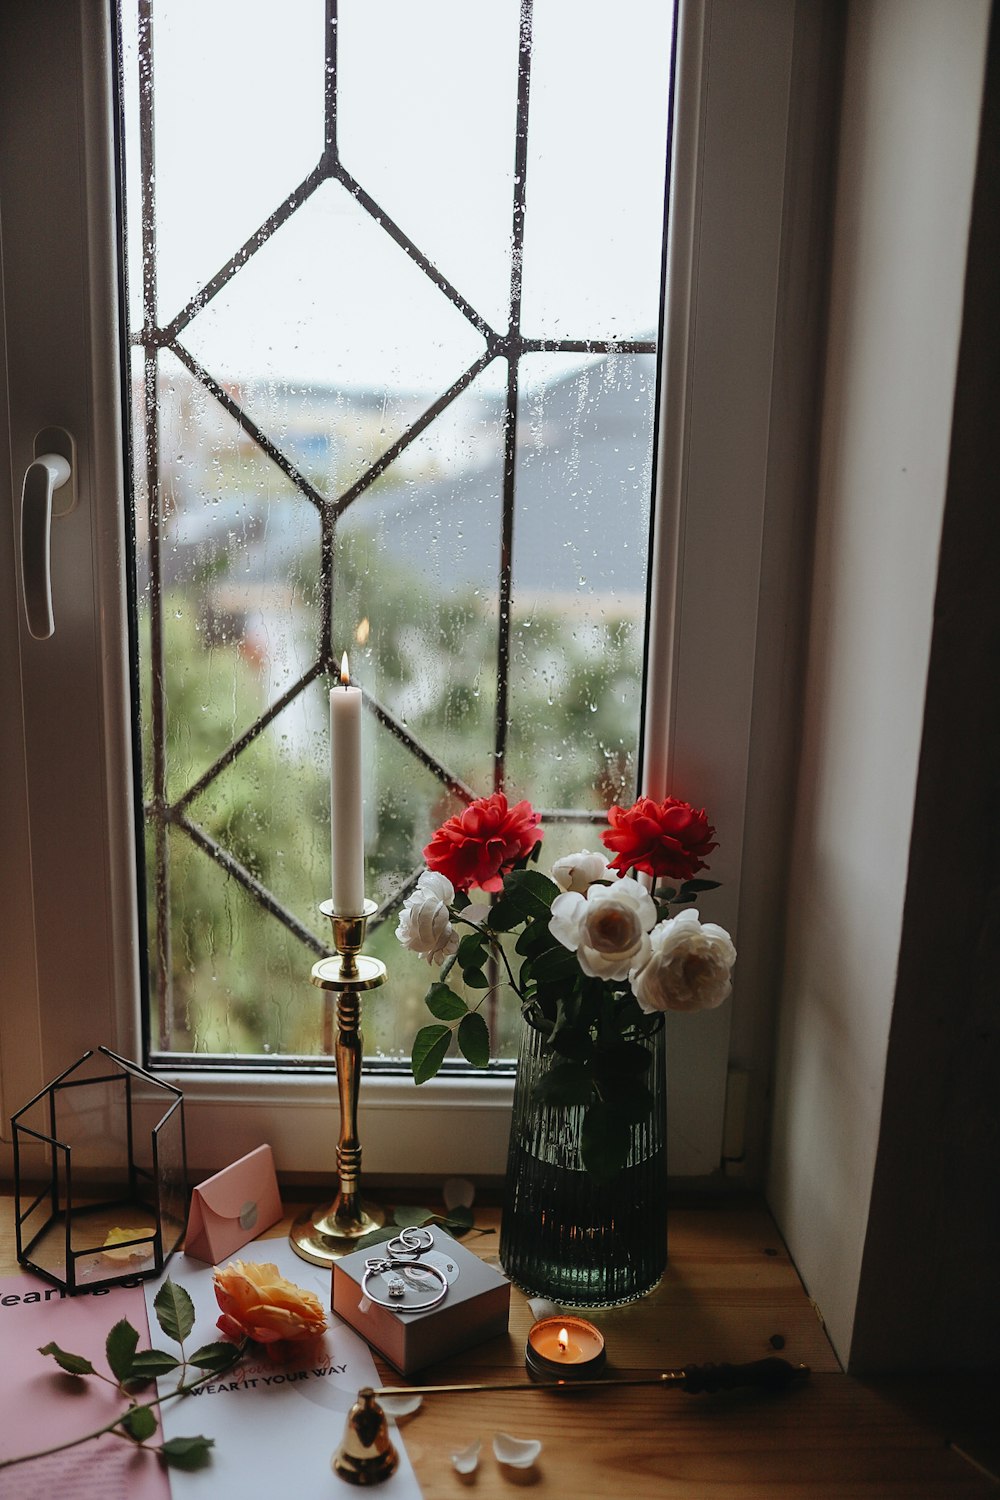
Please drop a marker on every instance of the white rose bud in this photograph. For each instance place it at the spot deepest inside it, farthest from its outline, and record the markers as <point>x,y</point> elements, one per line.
<point>577,872</point>
<point>607,929</point>
<point>688,968</point>
<point>425,920</point>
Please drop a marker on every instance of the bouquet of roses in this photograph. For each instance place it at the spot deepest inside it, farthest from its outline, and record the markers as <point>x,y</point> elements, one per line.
<point>596,960</point>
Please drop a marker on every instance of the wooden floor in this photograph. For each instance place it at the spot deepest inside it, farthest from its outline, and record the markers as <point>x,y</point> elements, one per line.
<point>730,1293</point>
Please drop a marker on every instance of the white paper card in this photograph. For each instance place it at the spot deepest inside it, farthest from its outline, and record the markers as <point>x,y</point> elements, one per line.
<point>275,1427</point>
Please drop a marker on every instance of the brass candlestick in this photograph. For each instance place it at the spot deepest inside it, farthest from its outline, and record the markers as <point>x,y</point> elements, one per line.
<point>325,1234</point>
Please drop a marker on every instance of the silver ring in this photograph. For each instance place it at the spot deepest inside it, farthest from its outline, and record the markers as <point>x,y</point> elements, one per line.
<point>411,1242</point>
<point>397,1287</point>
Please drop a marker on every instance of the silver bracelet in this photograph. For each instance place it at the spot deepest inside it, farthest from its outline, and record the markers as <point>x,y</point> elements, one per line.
<point>397,1287</point>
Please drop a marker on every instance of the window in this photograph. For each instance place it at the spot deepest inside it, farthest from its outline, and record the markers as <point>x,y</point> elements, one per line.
<point>71,823</point>
<point>384,401</point>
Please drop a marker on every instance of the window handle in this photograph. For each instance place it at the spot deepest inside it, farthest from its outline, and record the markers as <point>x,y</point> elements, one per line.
<point>49,472</point>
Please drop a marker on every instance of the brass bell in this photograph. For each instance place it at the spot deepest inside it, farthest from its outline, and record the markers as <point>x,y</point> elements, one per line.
<point>366,1454</point>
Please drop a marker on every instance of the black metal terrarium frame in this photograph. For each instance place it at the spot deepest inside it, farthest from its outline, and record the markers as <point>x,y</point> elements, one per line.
<point>62,1200</point>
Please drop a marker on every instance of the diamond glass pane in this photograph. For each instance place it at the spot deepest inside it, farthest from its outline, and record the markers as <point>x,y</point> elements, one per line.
<point>238,566</point>
<point>595,169</point>
<point>331,303</point>
<point>425,645</point>
<point>446,177</point>
<point>579,596</point>
<point>238,125</point>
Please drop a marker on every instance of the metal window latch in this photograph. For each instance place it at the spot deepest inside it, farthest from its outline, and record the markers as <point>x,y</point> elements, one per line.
<point>48,491</point>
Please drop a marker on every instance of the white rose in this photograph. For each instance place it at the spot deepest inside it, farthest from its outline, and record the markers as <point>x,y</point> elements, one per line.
<point>575,872</point>
<point>688,968</point>
<point>425,920</point>
<point>607,929</point>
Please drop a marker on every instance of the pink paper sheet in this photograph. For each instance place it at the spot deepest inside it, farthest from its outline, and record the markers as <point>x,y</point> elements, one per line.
<point>40,1405</point>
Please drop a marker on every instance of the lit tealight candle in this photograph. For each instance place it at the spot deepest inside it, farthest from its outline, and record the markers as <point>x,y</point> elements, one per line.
<point>564,1348</point>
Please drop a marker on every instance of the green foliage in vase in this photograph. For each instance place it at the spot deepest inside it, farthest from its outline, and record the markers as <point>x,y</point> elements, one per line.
<point>594,1028</point>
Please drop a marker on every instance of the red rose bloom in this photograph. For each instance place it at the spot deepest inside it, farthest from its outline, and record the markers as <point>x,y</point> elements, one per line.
<point>478,846</point>
<point>661,838</point>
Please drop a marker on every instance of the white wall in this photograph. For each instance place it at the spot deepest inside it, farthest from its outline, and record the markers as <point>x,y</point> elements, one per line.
<point>909,130</point>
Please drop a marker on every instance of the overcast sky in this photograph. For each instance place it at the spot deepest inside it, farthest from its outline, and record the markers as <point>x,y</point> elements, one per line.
<point>426,123</point>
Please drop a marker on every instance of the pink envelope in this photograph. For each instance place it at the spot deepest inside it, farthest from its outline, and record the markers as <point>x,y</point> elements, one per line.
<point>233,1207</point>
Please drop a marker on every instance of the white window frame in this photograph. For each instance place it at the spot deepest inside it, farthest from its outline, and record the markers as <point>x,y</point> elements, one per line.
<point>67,882</point>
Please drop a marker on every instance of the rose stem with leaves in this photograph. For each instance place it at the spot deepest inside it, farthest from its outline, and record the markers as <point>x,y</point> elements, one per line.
<point>175,1315</point>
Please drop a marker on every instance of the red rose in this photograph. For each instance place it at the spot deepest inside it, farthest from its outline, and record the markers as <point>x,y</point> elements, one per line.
<point>478,846</point>
<point>661,838</point>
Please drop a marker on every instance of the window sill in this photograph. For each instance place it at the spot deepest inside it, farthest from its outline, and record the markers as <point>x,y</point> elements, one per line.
<point>400,1127</point>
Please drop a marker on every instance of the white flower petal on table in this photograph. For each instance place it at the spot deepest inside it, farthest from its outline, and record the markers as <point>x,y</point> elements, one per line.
<point>400,1406</point>
<point>458,1192</point>
<point>541,1308</point>
<point>466,1460</point>
<point>516,1453</point>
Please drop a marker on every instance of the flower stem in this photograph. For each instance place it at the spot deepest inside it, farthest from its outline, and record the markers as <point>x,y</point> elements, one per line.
<point>496,947</point>
<point>181,1390</point>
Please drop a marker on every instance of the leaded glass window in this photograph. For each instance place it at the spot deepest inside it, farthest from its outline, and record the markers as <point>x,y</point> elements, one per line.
<point>394,285</point>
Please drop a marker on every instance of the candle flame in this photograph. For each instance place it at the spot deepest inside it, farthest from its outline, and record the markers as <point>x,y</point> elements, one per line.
<point>345,671</point>
<point>563,1341</point>
<point>363,631</point>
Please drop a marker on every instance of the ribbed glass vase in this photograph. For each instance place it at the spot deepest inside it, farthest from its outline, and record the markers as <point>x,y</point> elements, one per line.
<point>563,1235</point>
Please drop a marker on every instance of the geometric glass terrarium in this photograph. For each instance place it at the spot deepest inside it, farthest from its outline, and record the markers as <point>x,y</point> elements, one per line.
<point>100,1174</point>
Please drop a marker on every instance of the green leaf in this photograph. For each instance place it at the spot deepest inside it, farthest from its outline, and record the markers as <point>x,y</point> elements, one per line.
<point>555,964</point>
<point>374,1237</point>
<point>443,1003</point>
<point>474,1039</point>
<point>139,1422</point>
<point>215,1357</point>
<point>120,1347</point>
<point>633,1101</point>
<point>408,1215</point>
<point>458,1221</point>
<point>604,1141</point>
<point>565,1083</point>
<point>187,1452</point>
<point>174,1311</point>
<point>692,887</point>
<point>152,1362</point>
<point>535,937</point>
<point>572,1042</point>
<point>476,979</point>
<point>429,1047</point>
<point>532,892</point>
<point>504,914</point>
<point>471,952</point>
<point>73,1364</point>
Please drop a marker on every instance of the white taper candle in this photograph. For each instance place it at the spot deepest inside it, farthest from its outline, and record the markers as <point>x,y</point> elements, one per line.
<point>346,807</point>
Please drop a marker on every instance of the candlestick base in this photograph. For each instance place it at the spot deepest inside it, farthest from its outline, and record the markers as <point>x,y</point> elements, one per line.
<point>323,1235</point>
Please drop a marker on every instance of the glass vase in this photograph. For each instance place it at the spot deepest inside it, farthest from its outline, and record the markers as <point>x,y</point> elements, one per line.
<point>564,1235</point>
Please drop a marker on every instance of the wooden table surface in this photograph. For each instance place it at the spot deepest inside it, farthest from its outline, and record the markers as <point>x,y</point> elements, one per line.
<point>729,1293</point>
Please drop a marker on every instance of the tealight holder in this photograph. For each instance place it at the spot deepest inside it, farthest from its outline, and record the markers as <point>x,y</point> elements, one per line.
<point>564,1348</point>
<point>323,1235</point>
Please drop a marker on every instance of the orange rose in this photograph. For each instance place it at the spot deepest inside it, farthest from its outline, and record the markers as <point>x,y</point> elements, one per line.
<point>258,1303</point>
